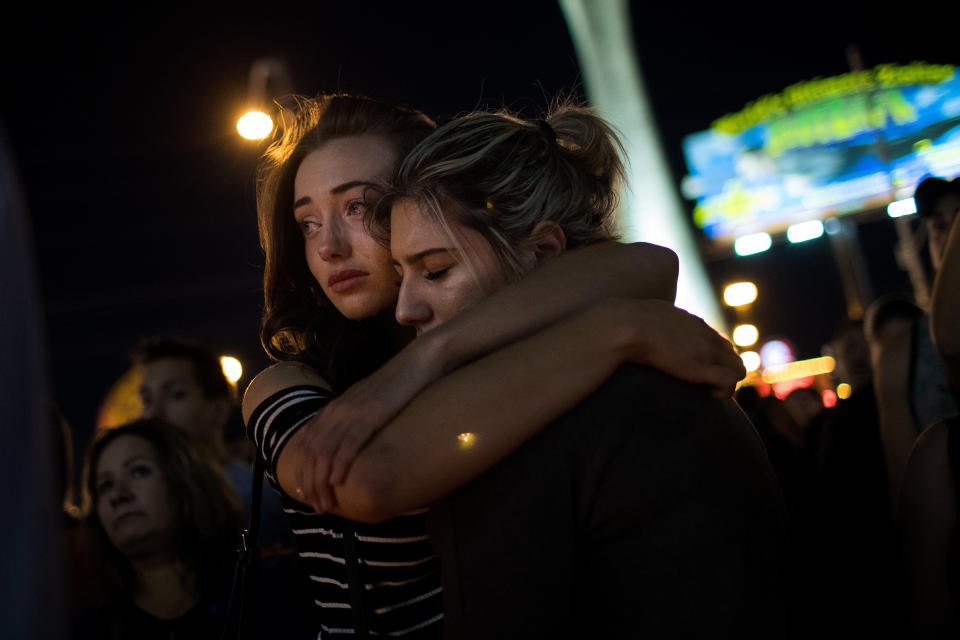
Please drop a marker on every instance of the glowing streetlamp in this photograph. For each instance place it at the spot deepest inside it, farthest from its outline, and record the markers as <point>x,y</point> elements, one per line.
<point>269,77</point>
<point>255,125</point>
<point>232,369</point>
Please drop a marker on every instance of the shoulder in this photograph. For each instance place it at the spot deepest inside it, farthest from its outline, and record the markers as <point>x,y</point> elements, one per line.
<point>276,378</point>
<point>642,391</point>
<point>928,482</point>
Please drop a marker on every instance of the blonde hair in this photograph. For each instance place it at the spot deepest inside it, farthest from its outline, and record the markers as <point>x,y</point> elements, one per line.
<point>501,175</point>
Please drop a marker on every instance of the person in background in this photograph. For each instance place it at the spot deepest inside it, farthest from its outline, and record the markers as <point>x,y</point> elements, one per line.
<point>845,537</point>
<point>165,526</point>
<point>913,391</point>
<point>183,384</point>
<point>928,505</point>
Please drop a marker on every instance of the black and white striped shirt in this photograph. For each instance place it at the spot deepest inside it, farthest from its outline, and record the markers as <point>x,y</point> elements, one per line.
<point>389,570</point>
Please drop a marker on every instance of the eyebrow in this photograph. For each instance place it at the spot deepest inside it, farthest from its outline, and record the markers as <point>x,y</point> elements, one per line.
<point>420,255</point>
<point>167,384</point>
<point>340,188</point>
<point>127,463</point>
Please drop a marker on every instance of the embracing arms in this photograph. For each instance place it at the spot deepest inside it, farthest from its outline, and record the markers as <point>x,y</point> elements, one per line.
<point>412,461</point>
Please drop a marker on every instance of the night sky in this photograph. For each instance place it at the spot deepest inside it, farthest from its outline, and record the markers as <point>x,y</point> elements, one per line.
<point>140,192</point>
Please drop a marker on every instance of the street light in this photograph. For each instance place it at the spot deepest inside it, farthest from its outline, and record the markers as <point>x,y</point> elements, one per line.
<point>255,125</point>
<point>269,78</point>
<point>232,369</point>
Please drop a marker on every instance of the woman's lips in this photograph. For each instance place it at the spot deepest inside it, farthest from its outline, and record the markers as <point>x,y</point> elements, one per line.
<point>344,280</point>
<point>125,517</point>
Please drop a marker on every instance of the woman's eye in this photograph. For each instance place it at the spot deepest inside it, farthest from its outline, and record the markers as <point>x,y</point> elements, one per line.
<point>104,486</point>
<point>140,471</point>
<point>433,275</point>
<point>308,227</point>
<point>356,207</point>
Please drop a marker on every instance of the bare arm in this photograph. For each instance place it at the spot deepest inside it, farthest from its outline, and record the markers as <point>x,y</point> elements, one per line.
<point>945,306</point>
<point>926,519</point>
<point>557,288</point>
<point>554,290</point>
<point>501,400</point>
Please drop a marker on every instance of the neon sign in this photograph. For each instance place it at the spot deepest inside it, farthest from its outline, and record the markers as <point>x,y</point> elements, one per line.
<point>824,147</point>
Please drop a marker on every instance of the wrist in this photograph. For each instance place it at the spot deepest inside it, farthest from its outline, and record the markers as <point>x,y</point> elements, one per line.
<point>437,353</point>
<point>624,320</point>
<point>289,460</point>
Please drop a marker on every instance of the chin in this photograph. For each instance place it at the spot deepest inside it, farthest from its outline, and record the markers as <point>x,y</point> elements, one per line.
<point>357,310</point>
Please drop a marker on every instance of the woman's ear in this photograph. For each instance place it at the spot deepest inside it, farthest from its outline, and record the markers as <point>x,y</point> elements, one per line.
<point>547,240</point>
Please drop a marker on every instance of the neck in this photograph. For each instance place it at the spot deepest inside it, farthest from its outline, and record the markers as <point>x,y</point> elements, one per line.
<point>400,335</point>
<point>165,589</point>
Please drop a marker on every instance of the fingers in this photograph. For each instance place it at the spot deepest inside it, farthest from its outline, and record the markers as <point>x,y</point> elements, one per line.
<point>350,445</point>
<point>312,473</point>
<point>721,379</point>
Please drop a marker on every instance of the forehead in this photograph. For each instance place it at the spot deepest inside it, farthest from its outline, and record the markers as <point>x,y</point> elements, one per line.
<point>412,231</point>
<point>122,449</point>
<point>947,205</point>
<point>163,370</point>
<point>342,160</point>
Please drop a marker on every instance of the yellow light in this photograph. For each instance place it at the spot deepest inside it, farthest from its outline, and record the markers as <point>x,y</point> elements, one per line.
<point>467,440</point>
<point>844,390</point>
<point>798,369</point>
<point>739,294</point>
<point>751,360</point>
<point>745,335</point>
<point>255,125</point>
<point>232,368</point>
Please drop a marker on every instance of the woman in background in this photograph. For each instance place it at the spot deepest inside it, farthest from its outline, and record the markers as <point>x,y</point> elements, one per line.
<point>165,524</point>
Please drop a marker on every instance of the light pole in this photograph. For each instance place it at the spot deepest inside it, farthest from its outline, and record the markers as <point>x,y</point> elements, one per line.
<point>269,77</point>
<point>650,208</point>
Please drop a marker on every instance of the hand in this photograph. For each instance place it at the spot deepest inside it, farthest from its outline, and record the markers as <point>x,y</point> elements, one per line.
<point>681,344</point>
<point>323,449</point>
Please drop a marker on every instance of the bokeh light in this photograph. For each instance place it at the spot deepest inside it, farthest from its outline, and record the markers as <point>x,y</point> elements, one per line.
<point>232,368</point>
<point>751,360</point>
<point>745,335</point>
<point>754,243</point>
<point>803,231</point>
<point>844,390</point>
<point>829,398</point>
<point>255,125</point>
<point>739,294</point>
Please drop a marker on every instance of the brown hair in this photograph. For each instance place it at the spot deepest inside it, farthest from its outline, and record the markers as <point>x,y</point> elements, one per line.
<point>205,508</point>
<point>500,175</point>
<point>299,322</point>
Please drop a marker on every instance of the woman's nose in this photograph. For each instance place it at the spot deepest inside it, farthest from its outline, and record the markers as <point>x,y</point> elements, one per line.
<point>120,495</point>
<point>154,409</point>
<point>412,309</point>
<point>333,242</point>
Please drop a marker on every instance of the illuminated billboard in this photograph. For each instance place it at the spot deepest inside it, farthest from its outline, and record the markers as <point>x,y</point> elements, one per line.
<point>824,147</point>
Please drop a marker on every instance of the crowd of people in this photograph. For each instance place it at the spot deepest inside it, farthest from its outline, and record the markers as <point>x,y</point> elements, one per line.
<point>488,420</point>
